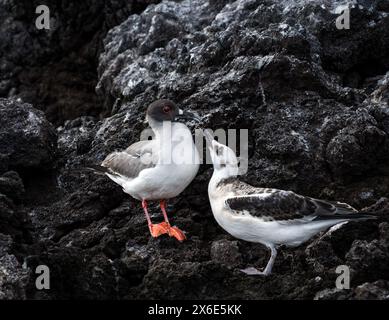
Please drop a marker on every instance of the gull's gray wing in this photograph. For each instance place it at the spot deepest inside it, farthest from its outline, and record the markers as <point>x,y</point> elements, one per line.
<point>275,204</point>
<point>130,162</point>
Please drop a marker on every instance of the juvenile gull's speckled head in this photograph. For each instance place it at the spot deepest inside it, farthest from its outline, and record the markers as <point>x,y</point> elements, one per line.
<point>223,157</point>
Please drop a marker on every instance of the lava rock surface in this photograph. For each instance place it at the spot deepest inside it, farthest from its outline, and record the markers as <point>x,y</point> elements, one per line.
<point>313,98</point>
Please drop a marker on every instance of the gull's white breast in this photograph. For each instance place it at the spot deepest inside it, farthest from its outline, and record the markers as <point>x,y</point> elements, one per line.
<point>246,227</point>
<point>176,168</point>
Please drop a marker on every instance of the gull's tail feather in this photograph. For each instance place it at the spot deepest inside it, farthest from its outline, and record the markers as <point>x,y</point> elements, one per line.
<point>348,216</point>
<point>97,168</point>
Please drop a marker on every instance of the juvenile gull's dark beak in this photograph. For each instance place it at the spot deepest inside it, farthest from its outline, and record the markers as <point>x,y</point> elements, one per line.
<point>209,138</point>
<point>187,115</point>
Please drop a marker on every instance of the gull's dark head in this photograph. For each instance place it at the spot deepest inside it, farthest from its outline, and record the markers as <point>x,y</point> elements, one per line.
<point>167,110</point>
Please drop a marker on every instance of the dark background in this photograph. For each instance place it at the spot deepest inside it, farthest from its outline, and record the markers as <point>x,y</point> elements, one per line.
<point>315,101</point>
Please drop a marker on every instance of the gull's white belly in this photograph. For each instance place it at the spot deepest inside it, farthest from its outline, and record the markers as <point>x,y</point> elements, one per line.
<point>161,182</point>
<point>176,168</point>
<point>253,229</point>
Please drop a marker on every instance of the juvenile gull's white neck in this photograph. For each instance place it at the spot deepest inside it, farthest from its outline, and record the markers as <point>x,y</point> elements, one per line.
<point>217,176</point>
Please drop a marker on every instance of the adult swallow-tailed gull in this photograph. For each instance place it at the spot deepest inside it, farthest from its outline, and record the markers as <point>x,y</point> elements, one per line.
<point>157,169</point>
<point>268,216</point>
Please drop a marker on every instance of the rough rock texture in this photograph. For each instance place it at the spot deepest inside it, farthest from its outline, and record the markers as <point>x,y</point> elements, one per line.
<point>27,139</point>
<point>56,69</point>
<point>315,101</point>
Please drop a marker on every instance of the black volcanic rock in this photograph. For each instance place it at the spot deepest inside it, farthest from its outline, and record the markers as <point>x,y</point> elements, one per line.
<point>12,185</point>
<point>378,290</point>
<point>27,139</point>
<point>13,278</point>
<point>226,252</point>
<point>43,66</point>
<point>313,98</point>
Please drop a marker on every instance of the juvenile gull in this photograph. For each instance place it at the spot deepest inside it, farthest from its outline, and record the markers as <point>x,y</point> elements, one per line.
<point>157,169</point>
<point>268,216</point>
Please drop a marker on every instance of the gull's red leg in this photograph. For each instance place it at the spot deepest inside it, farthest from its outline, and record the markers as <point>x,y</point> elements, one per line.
<point>162,204</point>
<point>155,229</point>
<point>173,231</point>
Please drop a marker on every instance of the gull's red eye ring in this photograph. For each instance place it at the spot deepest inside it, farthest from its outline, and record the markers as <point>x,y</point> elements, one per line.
<point>166,109</point>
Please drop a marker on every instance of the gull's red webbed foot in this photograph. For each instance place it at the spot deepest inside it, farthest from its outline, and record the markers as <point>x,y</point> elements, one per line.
<point>177,233</point>
<point>155,229</point>
<point>172,231</point>
<point>158,229</point>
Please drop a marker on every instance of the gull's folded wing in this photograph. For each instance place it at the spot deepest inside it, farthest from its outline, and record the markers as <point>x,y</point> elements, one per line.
<point>287,205</point>
<point>130,162</point>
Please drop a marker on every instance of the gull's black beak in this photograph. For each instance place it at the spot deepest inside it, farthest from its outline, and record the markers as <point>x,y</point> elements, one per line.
<point>208,137</point>
<point>187,115</point>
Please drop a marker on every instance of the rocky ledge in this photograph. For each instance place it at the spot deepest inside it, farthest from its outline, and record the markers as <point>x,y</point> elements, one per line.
<point>315,102</point>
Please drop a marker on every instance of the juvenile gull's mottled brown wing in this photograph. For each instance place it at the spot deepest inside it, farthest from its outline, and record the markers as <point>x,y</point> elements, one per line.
<point>277,204</point>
